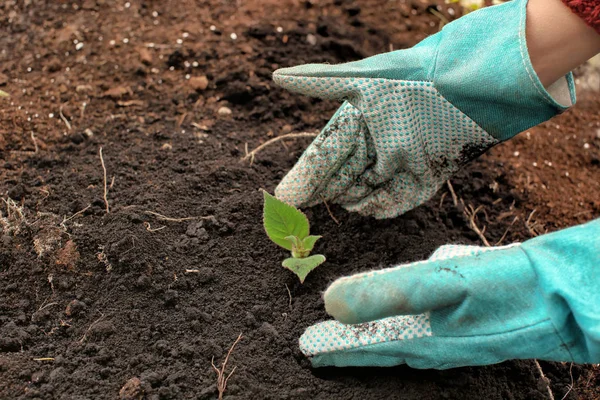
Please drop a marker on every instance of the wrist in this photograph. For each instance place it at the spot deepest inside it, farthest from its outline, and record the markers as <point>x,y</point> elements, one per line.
<point>557,39</point>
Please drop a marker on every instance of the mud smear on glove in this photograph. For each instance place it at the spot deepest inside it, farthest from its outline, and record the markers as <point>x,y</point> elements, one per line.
<point>471,151</point>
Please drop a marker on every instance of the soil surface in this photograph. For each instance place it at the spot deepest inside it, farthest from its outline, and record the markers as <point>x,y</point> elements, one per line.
<point>104,297</point>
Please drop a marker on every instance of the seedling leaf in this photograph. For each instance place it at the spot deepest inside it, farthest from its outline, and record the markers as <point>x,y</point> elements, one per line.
<point>309,242</point>
<point>302,266</point>
<point>4,94</point>
<point>282,220</point>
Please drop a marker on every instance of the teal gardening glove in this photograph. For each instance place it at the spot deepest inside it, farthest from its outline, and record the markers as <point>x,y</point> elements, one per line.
<point>412,117</point>
<point>468,305</point>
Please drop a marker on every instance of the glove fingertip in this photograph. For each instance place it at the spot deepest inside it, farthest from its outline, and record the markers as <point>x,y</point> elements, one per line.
<point>294,191</point>
<point>290,78</point>
<point>337,306</point>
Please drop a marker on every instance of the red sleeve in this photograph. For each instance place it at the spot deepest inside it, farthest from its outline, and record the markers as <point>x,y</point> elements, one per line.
<point>588,10</point>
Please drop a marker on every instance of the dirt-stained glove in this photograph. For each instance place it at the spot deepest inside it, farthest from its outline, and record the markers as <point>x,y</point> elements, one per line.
<point>468,305</point>
<point>412,117</point>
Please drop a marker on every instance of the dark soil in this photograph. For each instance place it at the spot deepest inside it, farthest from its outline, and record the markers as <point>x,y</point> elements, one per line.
<point>94,302</point>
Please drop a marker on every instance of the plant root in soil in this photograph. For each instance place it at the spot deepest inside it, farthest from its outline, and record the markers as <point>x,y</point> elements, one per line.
<point>250,155</point>
<point>222,378</point>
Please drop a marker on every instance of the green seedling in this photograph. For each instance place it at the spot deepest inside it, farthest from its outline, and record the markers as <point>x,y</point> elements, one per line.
<point>288,227</point>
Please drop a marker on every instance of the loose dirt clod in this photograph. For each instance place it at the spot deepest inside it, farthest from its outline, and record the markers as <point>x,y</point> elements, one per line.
<point>68,256</point>
<point>132,390</point>
<point>199,83</point>
<point>222,379</point>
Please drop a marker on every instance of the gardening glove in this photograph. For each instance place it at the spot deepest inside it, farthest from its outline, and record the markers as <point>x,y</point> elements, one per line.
<point>412,117</point>
<point>468,305</point>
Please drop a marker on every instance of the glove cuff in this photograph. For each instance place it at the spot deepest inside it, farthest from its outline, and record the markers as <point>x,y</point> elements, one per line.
<point>483,68</point>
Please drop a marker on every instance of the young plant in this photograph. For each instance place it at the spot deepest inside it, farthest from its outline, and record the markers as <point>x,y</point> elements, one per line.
<point>288,227</point>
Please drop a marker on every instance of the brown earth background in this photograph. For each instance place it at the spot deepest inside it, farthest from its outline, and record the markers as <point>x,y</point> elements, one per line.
<point>126,303</point>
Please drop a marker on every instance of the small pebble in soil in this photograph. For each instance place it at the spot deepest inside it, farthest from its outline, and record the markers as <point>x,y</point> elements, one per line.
<point>199,83</point>
<point>224,111</point>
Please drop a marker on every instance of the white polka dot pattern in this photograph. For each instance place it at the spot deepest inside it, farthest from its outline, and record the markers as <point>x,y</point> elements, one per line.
<point>387,150</point>
<point>332,336</point>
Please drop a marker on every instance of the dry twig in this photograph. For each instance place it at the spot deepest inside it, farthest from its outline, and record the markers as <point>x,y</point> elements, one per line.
<point>181,119</point>
<point>46,306</point>
<point>62,116</point>
<point>222,379</point>
<point>546,380</point>
<point>105,183</point>
<point>165,218</point>
<point>451,189</point>
<point>74,215</point>
<point>252,154</point>
<point>289,294</point>
<point>572,382</point>
<point>442,199</point>
<point>442,18</point>
<point>15,218</point>
<point>35,145</point>
<point>506,232</point>
<point>534,227</point>
<point>471,214</point>
<point>150,229</point>
<point>90,327</point>
<point>329,211</point>
<point>82,109</point>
